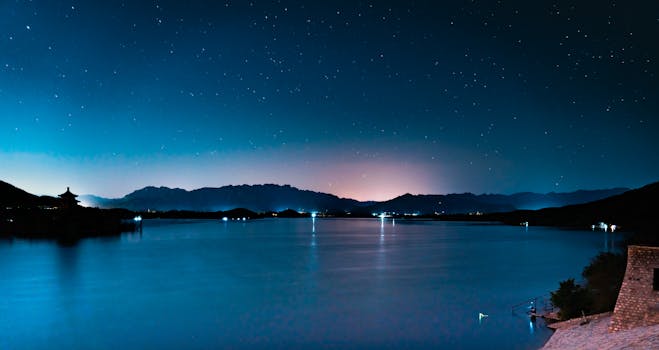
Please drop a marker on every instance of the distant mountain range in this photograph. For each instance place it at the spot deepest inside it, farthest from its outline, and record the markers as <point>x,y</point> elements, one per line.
<point>259,198</point>
<point>264,198</point>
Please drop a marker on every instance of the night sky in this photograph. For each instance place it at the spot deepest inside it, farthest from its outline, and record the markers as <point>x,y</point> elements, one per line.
<point>361,99</point>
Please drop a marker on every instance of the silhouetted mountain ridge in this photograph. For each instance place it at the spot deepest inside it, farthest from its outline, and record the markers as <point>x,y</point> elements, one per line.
<point>271,197</point>
<point>487,203</point>
<point>261,198</point>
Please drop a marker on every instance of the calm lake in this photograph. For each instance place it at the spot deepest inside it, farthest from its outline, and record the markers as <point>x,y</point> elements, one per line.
<point>288,283</point>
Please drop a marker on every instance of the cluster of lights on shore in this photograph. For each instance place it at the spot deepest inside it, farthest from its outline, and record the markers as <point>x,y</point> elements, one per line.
<point>604,227</point>
<point>382,216</point>
<point>225,219</point>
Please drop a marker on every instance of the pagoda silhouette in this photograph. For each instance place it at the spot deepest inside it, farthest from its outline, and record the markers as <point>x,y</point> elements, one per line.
<point>68,200</point>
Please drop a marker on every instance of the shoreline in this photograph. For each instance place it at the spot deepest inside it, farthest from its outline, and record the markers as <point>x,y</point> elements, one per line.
<point>571,334</point>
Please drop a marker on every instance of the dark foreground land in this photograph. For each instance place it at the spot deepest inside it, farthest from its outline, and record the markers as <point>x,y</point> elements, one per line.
<point>66,225</point>
<point>24,215</point>
<point>633,211</point>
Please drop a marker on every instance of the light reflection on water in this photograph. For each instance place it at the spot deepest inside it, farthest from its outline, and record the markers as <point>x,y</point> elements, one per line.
<point>283,283</point>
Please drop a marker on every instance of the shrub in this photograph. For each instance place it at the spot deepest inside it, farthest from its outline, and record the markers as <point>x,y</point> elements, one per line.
<point>571,299</point>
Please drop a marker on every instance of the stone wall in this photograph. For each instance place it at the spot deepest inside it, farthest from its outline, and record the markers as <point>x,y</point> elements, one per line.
<point>638,303</point>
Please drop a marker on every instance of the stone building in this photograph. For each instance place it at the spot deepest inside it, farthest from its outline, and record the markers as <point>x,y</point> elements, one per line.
<point>638,300</point>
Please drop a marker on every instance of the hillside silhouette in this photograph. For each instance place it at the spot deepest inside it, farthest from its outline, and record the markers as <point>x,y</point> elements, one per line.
<point>11,196</point>
<point>24,215</point>
<point>633,210</point>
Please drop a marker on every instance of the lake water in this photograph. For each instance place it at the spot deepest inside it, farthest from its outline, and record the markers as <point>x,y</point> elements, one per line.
<point>287,283</point>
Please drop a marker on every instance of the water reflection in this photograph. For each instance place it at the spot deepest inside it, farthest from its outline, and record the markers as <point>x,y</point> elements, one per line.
<point>313,231</point>
<point>606,241</point>
<point>312,275</point>
<point>274,282</point>
<point>67,268</point>
<point>609,242</point>
<point>132,236</point>
<point>313,253</point>
<point>68,281</point>
<point>67,265</point>
<point>381,260</point>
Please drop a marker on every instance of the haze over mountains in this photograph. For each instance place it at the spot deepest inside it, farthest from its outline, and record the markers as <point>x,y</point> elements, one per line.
<point>269,197</point>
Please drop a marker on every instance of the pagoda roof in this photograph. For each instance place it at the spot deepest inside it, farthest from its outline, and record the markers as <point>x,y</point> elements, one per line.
<point>68,194</point>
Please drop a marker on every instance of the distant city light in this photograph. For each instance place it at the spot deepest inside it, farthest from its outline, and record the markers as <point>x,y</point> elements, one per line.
<point>225,219</point>
<point>604,226</point>
<point>137,218</point>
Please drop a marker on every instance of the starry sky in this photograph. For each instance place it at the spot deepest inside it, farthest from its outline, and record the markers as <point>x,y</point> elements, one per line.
<point>363,99</point>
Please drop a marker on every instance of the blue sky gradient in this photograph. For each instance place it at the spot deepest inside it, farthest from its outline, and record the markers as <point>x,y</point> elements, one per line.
<point>361,99</point>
